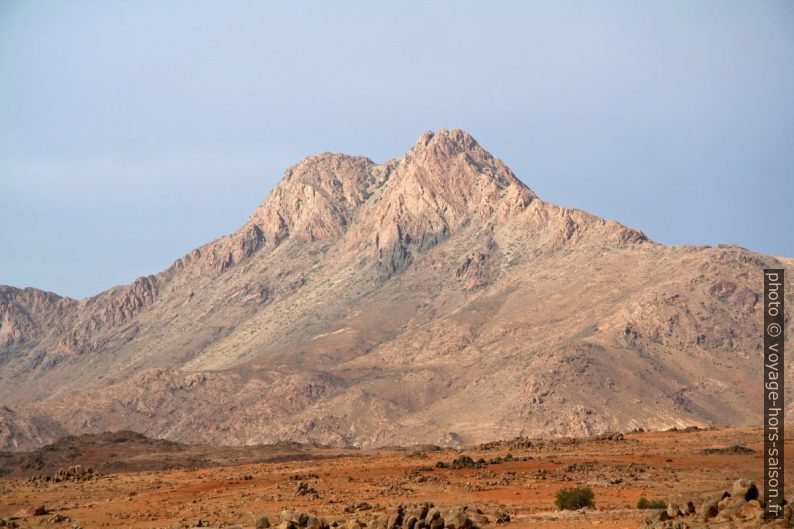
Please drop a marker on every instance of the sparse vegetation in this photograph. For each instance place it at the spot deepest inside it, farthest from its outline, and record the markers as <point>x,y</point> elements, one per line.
<point>645,503</point>
<point>463,461</point>
<point>731,450</point>
<point>574,498</point>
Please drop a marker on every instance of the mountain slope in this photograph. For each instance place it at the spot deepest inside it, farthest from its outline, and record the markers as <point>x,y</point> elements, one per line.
<point>431,298</point>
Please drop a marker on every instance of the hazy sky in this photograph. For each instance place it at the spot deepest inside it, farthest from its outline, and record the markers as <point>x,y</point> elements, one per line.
<point>131,132</point>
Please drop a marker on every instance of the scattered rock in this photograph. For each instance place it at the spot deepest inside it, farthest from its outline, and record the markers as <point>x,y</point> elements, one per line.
<point>72,473</point>
<point>716,510</point>
<point>305,490</point>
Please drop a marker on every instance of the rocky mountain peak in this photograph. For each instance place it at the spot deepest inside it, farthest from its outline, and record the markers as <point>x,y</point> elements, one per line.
<point>446,180</point>
<point>443,181</point>
<point>455,139</point>
<point>428,299</point>
<point>315,199</point>
<point>451,164</point>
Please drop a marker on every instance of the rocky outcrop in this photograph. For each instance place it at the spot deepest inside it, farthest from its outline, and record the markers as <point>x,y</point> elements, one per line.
<point>21,432</point>
<point>27,315</point>
<point>476,270</point>
<point>70,473</point>
<point>107,310</point>
<point>316,199</point>
<point>739,507</point>
<point>423,515</point>
<point>445,181</point>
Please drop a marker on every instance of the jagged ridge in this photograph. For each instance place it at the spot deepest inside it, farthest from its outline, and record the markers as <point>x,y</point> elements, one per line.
<point>430,298</point>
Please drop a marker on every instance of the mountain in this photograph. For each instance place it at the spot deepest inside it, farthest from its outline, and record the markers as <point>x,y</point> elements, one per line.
<point>433,298</point>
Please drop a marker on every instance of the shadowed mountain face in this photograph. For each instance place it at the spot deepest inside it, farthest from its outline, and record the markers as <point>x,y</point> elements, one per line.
<point>433,298</point>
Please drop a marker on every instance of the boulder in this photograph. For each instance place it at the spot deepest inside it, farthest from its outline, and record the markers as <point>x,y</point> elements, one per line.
<point>658,515</point>
<point>379,522</point>
<point>708,509</point>
<point>744,488</point>
<point>673,510</point>
<point>479,519</point>
<point>394,517</point>
<point>458,520</point>
<point>419,512</point>
<point>729,512</point>
<point>314,523</point>
<point>432,514</point>
<point>749,510</point>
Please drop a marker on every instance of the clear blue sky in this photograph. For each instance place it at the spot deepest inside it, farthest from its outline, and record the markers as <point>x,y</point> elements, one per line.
<point>131,132</point>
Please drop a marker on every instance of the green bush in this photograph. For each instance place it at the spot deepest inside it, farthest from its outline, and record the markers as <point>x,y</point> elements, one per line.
<point>463,461</point>
<point>574,498</point>
<point>645,503</point>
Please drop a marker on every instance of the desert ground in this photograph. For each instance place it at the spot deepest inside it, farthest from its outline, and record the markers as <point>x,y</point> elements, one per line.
<point>141,483</point>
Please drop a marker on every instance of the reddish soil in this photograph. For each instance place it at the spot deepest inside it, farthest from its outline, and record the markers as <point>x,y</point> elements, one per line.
<point>667,465</point>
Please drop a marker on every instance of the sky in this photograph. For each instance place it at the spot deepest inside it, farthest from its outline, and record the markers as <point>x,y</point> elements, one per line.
<point>132,132</point>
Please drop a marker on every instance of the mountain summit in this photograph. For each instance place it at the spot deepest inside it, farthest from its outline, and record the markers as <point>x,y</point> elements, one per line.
<point>433,298</point>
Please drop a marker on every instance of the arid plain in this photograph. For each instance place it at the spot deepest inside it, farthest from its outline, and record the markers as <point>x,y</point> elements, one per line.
<point>141,483</point>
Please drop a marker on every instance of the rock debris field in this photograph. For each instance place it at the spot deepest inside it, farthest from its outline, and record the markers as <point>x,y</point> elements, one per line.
<point>510,484</point>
